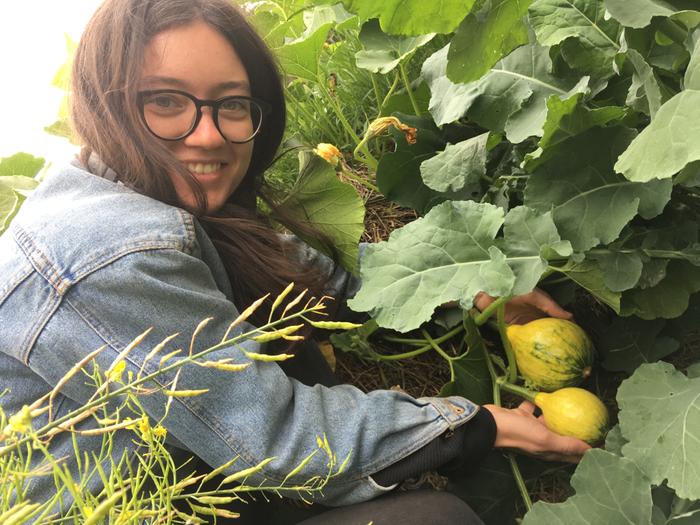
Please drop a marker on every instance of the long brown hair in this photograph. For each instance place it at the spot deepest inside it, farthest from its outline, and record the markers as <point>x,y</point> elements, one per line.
<point>105,116</point>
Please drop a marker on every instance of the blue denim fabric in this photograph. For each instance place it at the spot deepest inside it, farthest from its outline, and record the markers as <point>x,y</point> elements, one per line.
<point>89,262</point>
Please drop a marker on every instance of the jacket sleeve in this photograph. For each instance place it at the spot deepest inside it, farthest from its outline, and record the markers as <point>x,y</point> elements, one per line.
<point>256,413</point>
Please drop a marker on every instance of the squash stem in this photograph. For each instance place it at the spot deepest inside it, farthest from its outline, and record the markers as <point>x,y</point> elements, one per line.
<point>519,481</point>
<point>512,366</point>
<point>490,309</point>
<point>517,475</point>
<point>517,390</point>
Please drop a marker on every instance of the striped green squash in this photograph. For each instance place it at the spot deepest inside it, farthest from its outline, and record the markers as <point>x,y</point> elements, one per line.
<point>551,353</point>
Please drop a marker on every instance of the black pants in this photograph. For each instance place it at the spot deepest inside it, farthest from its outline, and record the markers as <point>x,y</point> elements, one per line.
<point>414,507</point>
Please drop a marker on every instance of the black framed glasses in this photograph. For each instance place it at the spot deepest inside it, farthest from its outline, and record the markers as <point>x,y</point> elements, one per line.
<point>173,115</point>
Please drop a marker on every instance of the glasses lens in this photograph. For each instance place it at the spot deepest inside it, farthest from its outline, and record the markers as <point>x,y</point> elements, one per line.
<point>169,115</point>
<point>239,118</point>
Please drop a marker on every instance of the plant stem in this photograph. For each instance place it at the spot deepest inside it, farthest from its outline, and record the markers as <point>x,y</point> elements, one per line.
<point>422,349</point>
<point>517,390</point>
<point>519,481</point>
<point>368,158</point>
<point>360,180</point>
<point>377,95</point>
<point>401,340</point>
<point>490,309</point>
<point>440,351</point>
<point>673,30</point>
<point>494,376</point>
<point>409,91</point>
<point>517,475</point>
<point>389,93</point>
<point>512,365</point>
<point>406,355</point>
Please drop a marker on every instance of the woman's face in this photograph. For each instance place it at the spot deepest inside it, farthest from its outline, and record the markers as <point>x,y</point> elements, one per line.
<point>200,61</point>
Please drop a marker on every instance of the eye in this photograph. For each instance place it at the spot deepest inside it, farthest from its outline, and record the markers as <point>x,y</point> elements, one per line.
<point>233,105</point>
<point>166,102</point>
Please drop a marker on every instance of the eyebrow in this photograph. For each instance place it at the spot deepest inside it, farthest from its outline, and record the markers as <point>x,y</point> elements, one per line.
<point>233,84</point>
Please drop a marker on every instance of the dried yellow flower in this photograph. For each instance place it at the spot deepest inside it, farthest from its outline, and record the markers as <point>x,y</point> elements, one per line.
<point>381,124</point>
<point>329,153</point>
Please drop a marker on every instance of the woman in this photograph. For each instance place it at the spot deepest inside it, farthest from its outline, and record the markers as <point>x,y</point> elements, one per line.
<point>179,108</point>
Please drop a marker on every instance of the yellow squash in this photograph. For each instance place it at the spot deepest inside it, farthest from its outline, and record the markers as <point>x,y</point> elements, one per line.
<point>574,412</point>
<point>551,353</point>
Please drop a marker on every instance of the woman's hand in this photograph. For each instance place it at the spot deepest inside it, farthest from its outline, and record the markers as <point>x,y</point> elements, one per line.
<point>525,308</point>
<point>518,429</point>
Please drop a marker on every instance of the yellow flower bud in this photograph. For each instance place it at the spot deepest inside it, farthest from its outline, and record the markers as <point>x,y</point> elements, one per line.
<point>20,422</point>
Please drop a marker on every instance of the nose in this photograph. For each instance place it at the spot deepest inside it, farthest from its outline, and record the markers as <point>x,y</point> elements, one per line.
<point>205,135</point>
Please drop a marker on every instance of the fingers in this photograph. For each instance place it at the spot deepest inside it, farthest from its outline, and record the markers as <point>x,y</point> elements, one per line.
<point>568,449</point>
<point>528,407</point>
<point>541,300</point>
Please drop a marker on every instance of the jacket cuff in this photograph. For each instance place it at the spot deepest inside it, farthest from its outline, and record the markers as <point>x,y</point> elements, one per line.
<point>463,447</point>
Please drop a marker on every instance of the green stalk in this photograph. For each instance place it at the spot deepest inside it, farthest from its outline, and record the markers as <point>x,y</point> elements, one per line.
<point>673,30</point>
<point>407,83</point>
<point>125,389</point>
<point>377,95</point>
<point>512,365</point>
<point>406,355</point>
<point>517,390</point>
<point>519,481</point>
<point>494,376</point>
<point>440,351</point>
<point>422,349</point>
<point>390,92</point>
<point>517,475</point>
<point>367,184</point>
<point>368,158</point>
<point>490,309</point>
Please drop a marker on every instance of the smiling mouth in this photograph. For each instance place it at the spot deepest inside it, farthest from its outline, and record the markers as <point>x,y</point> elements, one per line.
<point>200,168</point>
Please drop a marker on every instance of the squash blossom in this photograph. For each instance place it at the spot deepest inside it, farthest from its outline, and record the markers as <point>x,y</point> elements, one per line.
<point>329,153</point>
<point>381,124</point>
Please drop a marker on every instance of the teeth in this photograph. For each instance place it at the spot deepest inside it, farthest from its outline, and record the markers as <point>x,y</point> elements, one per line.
<point>203,168</point>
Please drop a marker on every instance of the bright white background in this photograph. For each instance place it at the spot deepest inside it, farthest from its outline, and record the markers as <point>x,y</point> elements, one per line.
<point>32,49</point>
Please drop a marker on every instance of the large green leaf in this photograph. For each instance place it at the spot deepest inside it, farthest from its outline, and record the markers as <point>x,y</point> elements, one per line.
<point>511,98</point>
<point>645,93</point>
<point>529,241</point>
<point>629,342</point>
<point>589,276</point>
<point>399,173</point>
<point>9,201</point>
<point>660,418</point>
<point>450,255</point>
<point>669,298</point>
<point>568,118</point>
<point>692,74</point>
<point>458,165</point>
<point>578,184</point>
<point>668,144</point>
<point>638,13</point>
<point>300,58</point>
<point>484,38</point>
<point>556,21</point>
<point>383,53</point>
<point>622,270</point>
<point>412,17</point>
<point>333,207</point>
<point>22,164</point>
<point>610,490</point>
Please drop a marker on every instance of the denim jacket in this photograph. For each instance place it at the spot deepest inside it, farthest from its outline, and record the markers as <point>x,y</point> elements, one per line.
<point>89,262</point>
